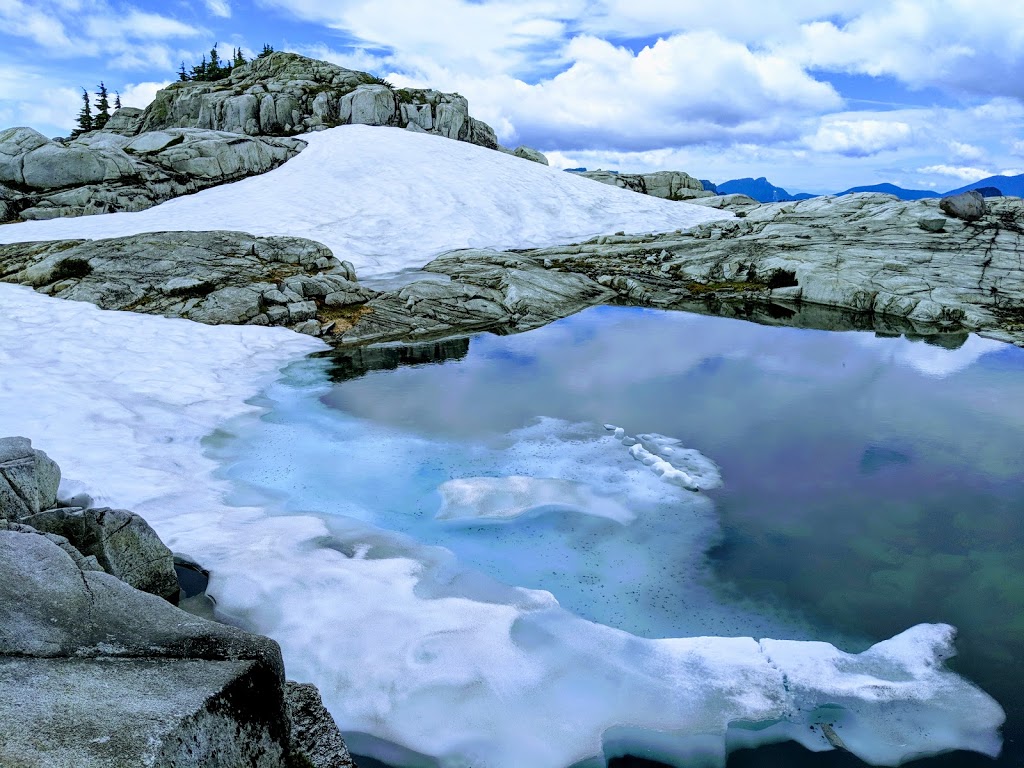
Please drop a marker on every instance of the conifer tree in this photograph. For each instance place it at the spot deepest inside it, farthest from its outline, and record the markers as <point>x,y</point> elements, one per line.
<point>239,57</point>
<point>200,71</point>
<point>216,69</point>
<point>117,100</point>
<point>183,75</point>
<point>102,107</point>
<point>267,50</point>
<point>84,116</point>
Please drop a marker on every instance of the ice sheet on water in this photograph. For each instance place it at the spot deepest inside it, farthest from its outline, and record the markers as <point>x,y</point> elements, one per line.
<point>406,645</point>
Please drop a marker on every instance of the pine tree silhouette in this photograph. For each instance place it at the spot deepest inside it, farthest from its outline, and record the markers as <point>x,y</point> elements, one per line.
<point>84,116</point>
<point>102,107</point>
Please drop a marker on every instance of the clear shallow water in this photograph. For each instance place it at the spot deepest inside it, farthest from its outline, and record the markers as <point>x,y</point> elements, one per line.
<point>869,484</point>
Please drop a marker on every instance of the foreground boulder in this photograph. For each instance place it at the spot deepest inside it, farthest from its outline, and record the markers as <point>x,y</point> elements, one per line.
<point>104,172</point>
<point>122,543</point>
<point>211,277</point>
<point>969,206</point>
<point>284,94</point>
<point>28,479</point>
<point>95,673</point>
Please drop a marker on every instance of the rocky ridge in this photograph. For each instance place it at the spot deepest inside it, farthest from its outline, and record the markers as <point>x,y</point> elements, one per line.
<point>670,185</point>
<point>96,672</point>
<point>284,94</point>
<point>104,172</point>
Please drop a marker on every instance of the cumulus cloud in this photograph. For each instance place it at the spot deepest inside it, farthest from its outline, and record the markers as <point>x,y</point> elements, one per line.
<point>859,138</point>
<point>141,94</point>
<point>966,151</point>
<point>966,173</point>
<point>686,89</point>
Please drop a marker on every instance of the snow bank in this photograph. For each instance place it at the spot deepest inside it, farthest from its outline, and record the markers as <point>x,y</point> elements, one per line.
<point>388,199</point>
<point>406,645</point>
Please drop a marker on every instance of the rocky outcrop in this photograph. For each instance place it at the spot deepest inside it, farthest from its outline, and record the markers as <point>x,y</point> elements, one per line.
<point>94,672</point>
<point>907,267</point>
<point>487,291</point>
<point>103,172</point>
<point>284,94</point>
<point>528,153</point>
<point>670,185</point>
<point>866,253</point>
<point>211,277</point>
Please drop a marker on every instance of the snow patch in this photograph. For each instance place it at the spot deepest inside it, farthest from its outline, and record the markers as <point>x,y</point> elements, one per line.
<point>388,199</point>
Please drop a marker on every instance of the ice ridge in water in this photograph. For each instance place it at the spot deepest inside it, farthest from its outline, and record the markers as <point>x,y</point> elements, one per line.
<point>685,467</point>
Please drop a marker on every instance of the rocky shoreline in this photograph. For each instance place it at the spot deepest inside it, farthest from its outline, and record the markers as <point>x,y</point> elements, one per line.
<point>926,266</point>
<point>89,629</point>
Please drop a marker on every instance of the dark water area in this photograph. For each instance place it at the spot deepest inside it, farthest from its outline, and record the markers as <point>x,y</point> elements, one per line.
<point>870,484</point>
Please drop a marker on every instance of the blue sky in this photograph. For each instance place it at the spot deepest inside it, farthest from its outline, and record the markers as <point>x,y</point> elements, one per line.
<point>817,95</point>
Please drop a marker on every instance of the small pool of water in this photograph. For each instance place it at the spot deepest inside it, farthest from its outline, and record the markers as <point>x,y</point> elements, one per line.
<point>869,484</point>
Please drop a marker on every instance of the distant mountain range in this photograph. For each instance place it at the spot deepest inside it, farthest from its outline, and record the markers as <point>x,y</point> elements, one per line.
<point>760,189</point>
<point>765,192</point>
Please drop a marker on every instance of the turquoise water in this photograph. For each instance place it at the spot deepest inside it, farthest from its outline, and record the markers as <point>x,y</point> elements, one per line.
<point>869,484</point>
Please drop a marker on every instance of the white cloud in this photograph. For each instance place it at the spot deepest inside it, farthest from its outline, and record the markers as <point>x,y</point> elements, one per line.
<point>1017,148</point>
<point>141,94</point>
<point>962,172</point>
<point>977,48</point>
<point>966,151</point>
<point>859,138</point>
<point>219,8</point>
<point>686,89</point>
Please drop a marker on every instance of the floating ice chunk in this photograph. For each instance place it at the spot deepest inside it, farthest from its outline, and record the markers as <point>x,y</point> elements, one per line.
<point>500,499</point>
<point>685,467</point>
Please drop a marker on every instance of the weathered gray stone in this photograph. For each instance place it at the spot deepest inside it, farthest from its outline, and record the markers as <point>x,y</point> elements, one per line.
<point>122,542</point>
<point>28,479</point>
<point>528,153</point>
<point>369,105</point>
<point>102,172</point>
<point>126,121</point>
<point>211,277</point>
<point>969,206</point>
<point>96,673</point>
<point>670,185</point>
<point>314,734</point>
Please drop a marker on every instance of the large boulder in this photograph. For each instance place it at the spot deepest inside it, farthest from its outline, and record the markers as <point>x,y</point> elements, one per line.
<point>28,479</point>
<point>528,153</point>
<point>95,673</point>
<point>123,544</point>
<point>968,206</point>
<point>285,94</point>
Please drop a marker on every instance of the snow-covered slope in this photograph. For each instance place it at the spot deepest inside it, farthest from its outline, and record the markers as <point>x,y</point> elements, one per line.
<point>388,199</point>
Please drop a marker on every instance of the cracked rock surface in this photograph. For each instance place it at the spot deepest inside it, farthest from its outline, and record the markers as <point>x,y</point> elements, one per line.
<point>871,260</point>
<point>212,277</point>
<point>105,172</point>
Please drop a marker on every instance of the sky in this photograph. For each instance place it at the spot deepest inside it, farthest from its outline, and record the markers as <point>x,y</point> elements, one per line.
<point>817,95</point>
